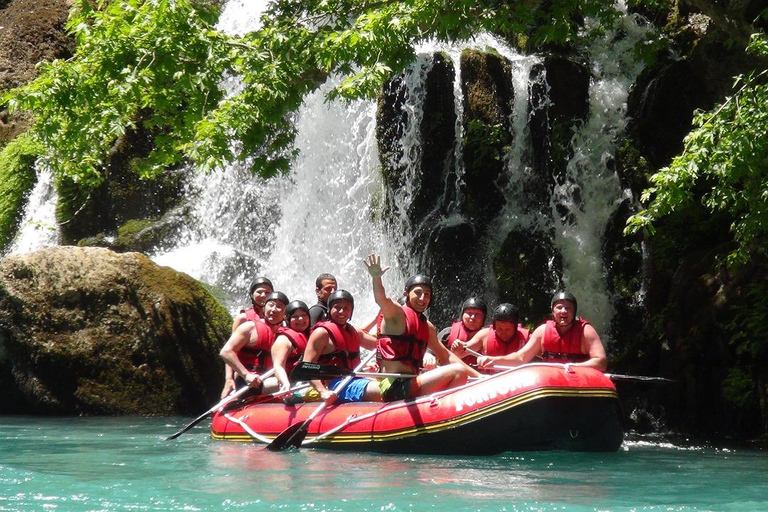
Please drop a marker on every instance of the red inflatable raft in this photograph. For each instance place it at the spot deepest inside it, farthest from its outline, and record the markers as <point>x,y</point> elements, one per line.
<point>532,407</point>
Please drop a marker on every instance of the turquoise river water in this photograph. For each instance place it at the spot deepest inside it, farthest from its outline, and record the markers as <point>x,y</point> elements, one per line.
<point>125,464</point>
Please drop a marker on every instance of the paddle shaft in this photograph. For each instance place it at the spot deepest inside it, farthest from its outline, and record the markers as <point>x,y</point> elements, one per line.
<point>612,376</point>
<point>230,398</point>
<point>297,435</point>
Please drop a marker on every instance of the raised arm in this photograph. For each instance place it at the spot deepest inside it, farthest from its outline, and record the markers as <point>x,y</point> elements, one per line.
<point>389,308</point>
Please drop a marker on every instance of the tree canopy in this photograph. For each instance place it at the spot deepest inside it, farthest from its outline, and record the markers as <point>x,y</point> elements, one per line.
<point>159,65</point>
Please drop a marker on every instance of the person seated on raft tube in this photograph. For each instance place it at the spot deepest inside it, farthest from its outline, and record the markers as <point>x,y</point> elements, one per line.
<point>247,352</point>
<point>260,288</point>
<point>504,336</point>
<point>473,313</point>
<point>337,342</point>
<point>405,334</point>
<point>565,338</point>
<point>291,342</point>
<point>325,285</point>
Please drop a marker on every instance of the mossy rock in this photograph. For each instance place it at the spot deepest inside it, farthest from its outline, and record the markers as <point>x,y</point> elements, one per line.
<point>92,331</point>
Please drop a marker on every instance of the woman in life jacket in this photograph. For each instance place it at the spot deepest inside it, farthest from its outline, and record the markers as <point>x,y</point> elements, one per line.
<point>505,334</point>
<point>565,338</point>
<point>291,341</point>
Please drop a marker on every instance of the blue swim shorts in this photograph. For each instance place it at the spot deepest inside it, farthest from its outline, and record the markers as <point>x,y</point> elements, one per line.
<point>353,392</point>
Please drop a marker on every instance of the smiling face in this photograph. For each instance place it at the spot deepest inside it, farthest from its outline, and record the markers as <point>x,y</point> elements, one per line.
<point>299,320</point>
<point>327,287</point>
<point>473,318</point>
<point>274,310</point>
<point>260,294</point>
<point>563,312</point>
<point>341,311</point>
<point>419,297</point>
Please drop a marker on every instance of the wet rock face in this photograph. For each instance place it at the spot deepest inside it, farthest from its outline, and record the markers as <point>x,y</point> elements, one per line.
<point>456,220</point>
<point>91,331</point>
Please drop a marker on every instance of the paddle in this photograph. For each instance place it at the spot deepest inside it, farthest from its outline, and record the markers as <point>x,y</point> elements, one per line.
<point>222,403</point>
<point>312,371</point>
<point>295,434</point>
<point>612,376</point>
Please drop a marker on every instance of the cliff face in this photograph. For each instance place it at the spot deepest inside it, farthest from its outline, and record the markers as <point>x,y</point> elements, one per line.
<point>91,331</point>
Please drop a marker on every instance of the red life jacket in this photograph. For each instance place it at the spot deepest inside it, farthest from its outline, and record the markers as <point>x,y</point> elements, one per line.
<point>251,315</point>
<point>558,349</point>
<point>258,357</point>
<point>298,345</point>
<point>495,347</point>
<point>459,332</point>
<point>411,345</point>
<point>346,343</point>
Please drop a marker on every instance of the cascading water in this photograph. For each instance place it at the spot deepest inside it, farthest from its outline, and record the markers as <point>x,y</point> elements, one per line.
<point>326,215</point>
<point>38,227</point>
<point>320,218</point>
<point>591,192</point>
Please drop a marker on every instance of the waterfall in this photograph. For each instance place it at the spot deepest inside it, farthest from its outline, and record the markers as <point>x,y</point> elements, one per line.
<point>591,192</point>
<point>319,218</point>
<point>325,215</point>
<point>38,227</point>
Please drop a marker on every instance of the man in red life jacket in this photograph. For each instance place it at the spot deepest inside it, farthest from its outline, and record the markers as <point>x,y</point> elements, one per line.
<point>337,342</point>
<point>291,342</point>
<point>565,338</point>
<point>247,352</point>
<point>405,334</point>
<point>260,288</point>
<point>504,336</point>
<point>325,285</point>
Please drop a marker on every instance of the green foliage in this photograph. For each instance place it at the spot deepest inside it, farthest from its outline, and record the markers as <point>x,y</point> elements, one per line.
<point>17,176</point>
<point>160,63</point>
<point>724,166</point>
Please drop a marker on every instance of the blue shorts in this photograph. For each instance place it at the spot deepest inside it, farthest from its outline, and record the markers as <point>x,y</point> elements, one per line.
<point>353,392</point>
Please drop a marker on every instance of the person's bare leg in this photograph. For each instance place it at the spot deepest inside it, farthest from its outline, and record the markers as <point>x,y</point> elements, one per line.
<point>442,377</point>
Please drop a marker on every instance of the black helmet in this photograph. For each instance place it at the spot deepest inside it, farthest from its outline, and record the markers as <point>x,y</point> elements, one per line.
<point>340,295</point>
<point>418,279</point>
<point>278,296</point>
<point>506,312</point>
<point>294,306</point>
<point>475,303</point>
<point>258,282</point>
<point>564,296</point>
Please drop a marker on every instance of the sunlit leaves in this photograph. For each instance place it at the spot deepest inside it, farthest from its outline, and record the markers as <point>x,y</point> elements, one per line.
<point>158,66</point>
<point>724,165</point>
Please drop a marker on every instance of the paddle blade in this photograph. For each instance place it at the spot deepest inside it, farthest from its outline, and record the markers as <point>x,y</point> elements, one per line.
<point>312,371</point>
<point>189,426</point>
<point>291,437</point>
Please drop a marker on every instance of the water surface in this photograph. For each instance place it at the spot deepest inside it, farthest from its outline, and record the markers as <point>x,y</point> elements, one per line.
<point>121,464</point>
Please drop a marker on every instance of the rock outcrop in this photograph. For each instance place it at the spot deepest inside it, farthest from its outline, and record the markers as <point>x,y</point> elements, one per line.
<point>91,331</point>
